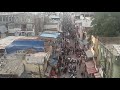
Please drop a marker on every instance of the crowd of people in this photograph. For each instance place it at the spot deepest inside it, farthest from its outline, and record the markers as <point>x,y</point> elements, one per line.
<point>66,64</point>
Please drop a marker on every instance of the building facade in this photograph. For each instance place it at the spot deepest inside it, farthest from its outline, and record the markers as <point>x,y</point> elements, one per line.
<point>106,51</point>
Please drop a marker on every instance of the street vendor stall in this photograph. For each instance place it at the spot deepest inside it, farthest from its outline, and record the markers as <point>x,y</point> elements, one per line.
<point>90,69</point>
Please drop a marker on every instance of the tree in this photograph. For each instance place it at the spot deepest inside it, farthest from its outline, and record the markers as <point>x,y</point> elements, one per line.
<point>67,25</point>
<point>106,24</point>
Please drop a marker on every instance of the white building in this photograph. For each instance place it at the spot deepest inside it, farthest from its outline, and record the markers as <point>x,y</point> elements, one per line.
<point>37,62</point>
<point>54,24</point>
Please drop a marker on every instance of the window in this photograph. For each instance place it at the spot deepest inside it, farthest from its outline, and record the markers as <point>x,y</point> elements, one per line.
<point>10,19</point>
<point>6,18</point>
<point>24,26</point>
<point>3,18</point>
<point>17,26</point>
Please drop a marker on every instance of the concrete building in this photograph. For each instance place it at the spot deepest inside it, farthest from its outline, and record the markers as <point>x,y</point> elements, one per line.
<point>16,22</point>
<point>37,62</point>
<point>53,24</point>
<point>106,51</point>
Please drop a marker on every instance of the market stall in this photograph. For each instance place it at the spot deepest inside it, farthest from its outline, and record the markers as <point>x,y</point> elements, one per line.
<point>90,69</point>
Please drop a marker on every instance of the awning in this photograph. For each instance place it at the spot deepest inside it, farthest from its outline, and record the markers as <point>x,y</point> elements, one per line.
<point>89,54</point>
<point>90,67</point>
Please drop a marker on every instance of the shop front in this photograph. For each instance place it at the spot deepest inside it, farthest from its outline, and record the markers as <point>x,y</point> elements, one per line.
<point>90,69</point>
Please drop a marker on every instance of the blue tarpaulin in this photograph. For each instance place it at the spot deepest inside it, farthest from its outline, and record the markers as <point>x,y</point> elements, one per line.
<point>37,45</point>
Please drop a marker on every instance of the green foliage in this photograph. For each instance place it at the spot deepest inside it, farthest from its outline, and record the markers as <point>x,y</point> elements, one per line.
<point>106,24</point>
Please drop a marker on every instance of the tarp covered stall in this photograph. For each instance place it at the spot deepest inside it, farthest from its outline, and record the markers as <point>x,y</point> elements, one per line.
<point>16,45</point>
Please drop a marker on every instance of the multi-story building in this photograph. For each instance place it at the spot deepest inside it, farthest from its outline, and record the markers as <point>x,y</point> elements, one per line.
<point>53,24</point>
<point>18,23</point>
<point>39,23</point>
<point>106,51</point>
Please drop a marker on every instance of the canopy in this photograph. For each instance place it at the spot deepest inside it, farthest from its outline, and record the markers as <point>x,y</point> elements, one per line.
<point>37,45</point>
<point>89,54</point>
<point>51,35</point>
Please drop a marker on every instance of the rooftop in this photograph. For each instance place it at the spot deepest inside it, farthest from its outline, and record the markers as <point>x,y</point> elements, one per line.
<point>10,67</point>
<point>37,58</point>
<point>39,54</point>
<point>8,40</point>
<point>28,38</point>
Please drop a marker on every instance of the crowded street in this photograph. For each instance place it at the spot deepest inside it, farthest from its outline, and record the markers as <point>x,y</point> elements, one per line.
<point>52,45</point>
<point>71,62</point>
